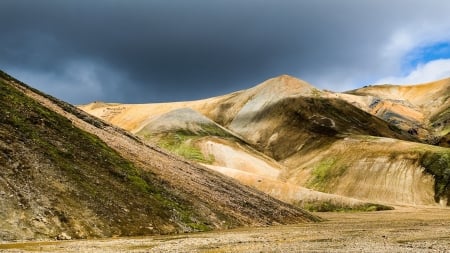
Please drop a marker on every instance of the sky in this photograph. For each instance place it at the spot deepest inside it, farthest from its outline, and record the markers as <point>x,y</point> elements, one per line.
<point>140,51</point>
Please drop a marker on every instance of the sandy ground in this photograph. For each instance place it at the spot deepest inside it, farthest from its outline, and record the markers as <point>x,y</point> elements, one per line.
<point>406,229</point>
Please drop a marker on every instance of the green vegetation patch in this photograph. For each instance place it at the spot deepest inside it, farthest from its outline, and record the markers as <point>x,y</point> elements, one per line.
<point>316,93</point>
<point>325,172</point>
<point>437,163</point>
<point>329,206</point>
<point>214,130</point>
<point>183,144</point>
<point>442,121</point>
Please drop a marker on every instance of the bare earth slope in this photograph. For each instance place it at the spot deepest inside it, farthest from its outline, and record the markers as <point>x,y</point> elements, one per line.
<point>331,142</point>
<point>66,174</point>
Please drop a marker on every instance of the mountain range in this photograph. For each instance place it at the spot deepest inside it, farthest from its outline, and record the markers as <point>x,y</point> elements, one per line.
<point>369,148</point>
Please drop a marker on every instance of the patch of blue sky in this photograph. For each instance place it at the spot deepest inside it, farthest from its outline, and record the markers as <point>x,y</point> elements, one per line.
<point>423,54</point>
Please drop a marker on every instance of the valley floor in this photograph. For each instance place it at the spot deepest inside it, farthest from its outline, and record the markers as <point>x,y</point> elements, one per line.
<point>406,229</point>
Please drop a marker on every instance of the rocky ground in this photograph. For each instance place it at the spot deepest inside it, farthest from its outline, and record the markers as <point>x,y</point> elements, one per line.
<point>406,229</point>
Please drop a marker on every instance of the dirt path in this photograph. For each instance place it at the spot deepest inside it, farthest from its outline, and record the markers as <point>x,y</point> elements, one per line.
<point>402,230</point>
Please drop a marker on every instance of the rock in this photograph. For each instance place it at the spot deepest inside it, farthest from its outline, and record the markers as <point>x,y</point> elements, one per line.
<point>63,236</point>
<point>443,201</point>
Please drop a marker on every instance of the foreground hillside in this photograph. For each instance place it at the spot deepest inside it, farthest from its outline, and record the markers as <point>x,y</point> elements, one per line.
<point>64,174</point>
<point>297,143</point>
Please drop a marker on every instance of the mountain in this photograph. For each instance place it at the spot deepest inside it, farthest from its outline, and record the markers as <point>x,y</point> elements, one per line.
<point>65,174</point>
<point>294,141</point>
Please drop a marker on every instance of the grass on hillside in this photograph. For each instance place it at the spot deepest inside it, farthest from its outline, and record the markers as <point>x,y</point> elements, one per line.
<point>438,164</point>
<point>324,172</point>
<point>183,144</point>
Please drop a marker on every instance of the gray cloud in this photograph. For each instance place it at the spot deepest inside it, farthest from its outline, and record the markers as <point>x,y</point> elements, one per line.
<point>149,51</point>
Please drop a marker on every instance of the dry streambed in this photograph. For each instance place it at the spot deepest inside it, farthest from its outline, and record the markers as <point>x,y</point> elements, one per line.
<point>406,229</point>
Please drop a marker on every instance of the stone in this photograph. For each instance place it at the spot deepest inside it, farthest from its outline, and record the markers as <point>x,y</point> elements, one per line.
<point>63,236</point>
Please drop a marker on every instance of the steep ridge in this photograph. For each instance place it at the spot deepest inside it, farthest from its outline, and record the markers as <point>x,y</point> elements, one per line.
<point>66,174</point>
<point>327,141</point>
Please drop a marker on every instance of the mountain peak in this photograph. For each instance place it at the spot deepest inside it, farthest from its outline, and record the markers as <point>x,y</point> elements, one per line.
<point>289,80</point>
<point>286,77</point>
<point>284,86</point>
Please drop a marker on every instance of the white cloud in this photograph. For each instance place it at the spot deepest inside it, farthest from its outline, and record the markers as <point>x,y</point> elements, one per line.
<point>430,71</point>
<point>399,43</point>
<point>404,40</point>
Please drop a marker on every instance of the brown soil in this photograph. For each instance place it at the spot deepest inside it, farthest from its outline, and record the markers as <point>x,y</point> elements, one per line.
<point>407,229</point>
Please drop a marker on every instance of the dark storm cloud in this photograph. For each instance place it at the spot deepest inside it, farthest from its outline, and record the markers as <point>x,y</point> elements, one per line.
<point>147,51</point>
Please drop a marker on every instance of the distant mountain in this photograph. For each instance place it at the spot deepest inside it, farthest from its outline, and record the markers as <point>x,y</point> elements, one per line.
<point>65,174</point>
<point>422,110</point>
<point>292,140</point>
